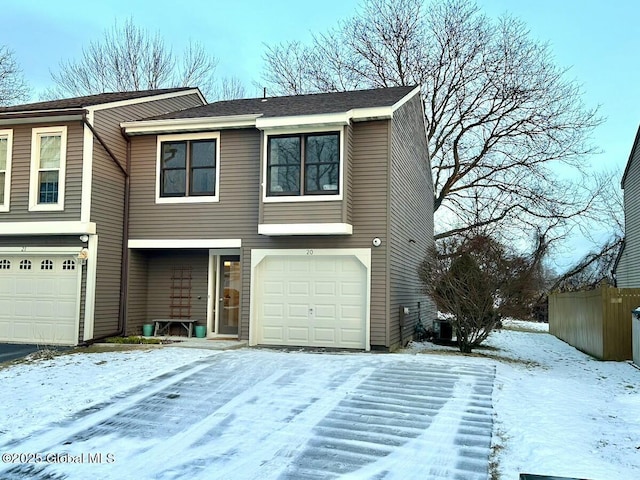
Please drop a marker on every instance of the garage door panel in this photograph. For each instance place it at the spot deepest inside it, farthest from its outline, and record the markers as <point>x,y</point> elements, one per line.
<point>297,335</point>
<point>39,304</point>
<point>297,288</point>
<point>333,293</point>
<point>325,288</point>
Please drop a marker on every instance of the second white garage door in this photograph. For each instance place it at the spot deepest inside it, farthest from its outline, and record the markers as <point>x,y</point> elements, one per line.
<point>309,300</point>
<point>39,299</point>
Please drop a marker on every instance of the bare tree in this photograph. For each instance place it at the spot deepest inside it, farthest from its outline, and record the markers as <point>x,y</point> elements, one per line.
<point>477,280</point>
<point>128,58</point>
<point>507,128</point>
<point>228,88</point>
<point>13,86</point>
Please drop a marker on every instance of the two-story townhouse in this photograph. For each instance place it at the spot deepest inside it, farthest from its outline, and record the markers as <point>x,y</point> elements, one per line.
<point>295,220</point>
<point>63,191</point>
<point>627,266</point>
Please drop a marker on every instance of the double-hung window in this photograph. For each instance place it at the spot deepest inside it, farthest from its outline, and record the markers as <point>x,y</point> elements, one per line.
<point>48,164</point>
<point>303,164</point>
<point>6,143</point>
<point>188,168</point>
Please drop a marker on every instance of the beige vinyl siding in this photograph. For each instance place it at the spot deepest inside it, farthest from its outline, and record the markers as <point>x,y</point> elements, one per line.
<point>411,219</point>
<point>20,173</point>
<point>303,212</point>
<point>160,267</point>
<point>137,293</point>
<point>628,271</point>
<point>235,216</point>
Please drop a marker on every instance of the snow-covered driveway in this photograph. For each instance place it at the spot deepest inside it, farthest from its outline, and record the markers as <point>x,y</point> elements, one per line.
<point>261,414</point>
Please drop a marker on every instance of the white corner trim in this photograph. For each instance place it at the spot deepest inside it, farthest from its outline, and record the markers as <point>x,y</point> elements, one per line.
<point>87,170</point>
<point>6,205</point>
<point>275,229</point>
<point>176,125</point>
<point>185,243</point>
<point>90,289</point>
<point>147,98</point>
<point>48,228</point>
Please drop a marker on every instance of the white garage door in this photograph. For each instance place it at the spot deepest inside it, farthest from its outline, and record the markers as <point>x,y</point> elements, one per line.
<point>38,299</point>
<point>316,301</point>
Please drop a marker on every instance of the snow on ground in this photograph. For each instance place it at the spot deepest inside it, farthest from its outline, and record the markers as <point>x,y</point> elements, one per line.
<point>557,411</point>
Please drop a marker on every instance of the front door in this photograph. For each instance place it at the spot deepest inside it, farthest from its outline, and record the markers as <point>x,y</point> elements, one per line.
<point>229,301</point>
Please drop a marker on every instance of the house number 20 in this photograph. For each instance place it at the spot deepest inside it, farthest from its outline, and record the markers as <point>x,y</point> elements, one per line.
<point>309,252</point>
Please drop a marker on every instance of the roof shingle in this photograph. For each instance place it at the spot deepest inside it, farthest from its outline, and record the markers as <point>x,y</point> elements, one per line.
<point>88,100</point>
<point>318,103</point>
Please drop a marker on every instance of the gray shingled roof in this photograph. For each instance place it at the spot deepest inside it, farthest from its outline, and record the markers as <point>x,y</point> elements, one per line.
<point>81,102</point>
<point>318,103</point>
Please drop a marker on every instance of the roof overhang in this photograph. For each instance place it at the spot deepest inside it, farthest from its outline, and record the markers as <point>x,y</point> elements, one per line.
<point>145,127</point>
<point>257,120</point>
<point>39,116</point>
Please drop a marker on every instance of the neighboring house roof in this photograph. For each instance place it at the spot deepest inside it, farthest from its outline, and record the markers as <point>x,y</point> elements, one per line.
<point>312,104</point>
<point>631,155</point>
<point>88,100</point>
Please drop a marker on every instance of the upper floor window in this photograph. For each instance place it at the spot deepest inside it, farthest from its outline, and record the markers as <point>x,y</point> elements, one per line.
<point>48,163</point>
<point>187,169</point>
<point>6,143</point>
<point>303,164</point>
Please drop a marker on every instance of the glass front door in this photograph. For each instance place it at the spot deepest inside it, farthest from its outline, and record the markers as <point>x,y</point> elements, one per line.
<point>229,301</point>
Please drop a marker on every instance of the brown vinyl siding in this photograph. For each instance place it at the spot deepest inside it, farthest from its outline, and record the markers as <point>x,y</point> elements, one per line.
<point>235,216</point>
<point>107,211</point>
<point>21,169</point>
<point>160,267</point>
<point>107,201</point>
<point>411,219</point>
<point>347,204</point>
<point>138,291</point>
<point>628,270</point>
<point>107,121</point>
<point>303,212</point>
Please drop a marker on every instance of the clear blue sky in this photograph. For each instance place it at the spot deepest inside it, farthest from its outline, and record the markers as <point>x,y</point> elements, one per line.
<point>599,40</point>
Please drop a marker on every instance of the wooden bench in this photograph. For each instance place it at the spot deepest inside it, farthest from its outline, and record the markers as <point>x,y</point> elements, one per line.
<point>162,325</point>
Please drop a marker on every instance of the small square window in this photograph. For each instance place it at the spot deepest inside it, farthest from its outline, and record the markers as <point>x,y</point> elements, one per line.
<point>309,160</point>
<point>188,168</point>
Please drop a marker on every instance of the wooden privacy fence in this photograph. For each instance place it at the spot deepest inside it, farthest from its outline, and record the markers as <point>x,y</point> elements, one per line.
<point>597,322</point>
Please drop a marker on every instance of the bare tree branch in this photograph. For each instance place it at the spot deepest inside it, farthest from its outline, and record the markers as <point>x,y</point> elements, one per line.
<point>13,86</point>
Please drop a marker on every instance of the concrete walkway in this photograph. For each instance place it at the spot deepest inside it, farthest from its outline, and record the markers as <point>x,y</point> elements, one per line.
<point>258,414</point>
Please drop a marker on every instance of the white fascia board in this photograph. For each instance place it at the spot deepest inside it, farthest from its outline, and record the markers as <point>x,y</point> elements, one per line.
<point>341,118</point>
<point>406,98</point>
<point>371,113</point>
<point>147,98</point>
<point>277,229</point>
<point>43,119</point>
<point>185,243</point>
<point>188,124</point>
<point>48,228</point>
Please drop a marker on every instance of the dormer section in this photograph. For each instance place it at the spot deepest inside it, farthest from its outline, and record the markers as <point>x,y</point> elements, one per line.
<point>305,166</point>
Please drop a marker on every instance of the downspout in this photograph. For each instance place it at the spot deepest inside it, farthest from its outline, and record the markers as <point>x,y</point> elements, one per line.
<point>122,322</point>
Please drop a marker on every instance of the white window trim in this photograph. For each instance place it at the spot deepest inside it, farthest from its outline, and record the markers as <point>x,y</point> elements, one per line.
<point>302,198</point>
<point>4,207</point>
<point>36,133</point>
<point>182,137</point>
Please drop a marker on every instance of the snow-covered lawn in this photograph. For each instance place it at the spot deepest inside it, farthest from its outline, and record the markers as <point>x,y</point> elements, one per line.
<point>556,410</point>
